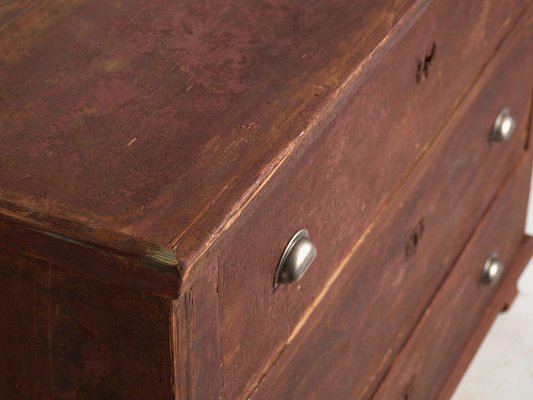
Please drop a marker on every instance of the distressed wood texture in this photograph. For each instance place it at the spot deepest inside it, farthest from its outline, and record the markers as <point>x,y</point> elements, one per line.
<point>154,123</point>
<point>152,273</point>
<point>156,156</point>
<point>139,116</point>
<point>362,314</point>
<point>352,184</point>
<point>436,345</point>
<point>500,302</point>
<point>66,337</point>
<point>423,63</point>
<point>196,340</point>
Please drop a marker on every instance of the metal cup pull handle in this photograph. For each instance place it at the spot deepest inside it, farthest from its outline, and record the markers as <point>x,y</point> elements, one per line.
<point>298,256</point>
<point>492,270</point>
<point>504,127</point>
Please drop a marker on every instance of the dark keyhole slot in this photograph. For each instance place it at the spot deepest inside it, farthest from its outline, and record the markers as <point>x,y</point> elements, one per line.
<point>422,70</point>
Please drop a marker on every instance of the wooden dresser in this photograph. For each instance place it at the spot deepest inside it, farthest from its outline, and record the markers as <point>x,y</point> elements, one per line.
<point>206,199</point>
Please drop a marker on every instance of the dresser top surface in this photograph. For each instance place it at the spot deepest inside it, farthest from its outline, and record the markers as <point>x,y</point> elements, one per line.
<point>145,117</point>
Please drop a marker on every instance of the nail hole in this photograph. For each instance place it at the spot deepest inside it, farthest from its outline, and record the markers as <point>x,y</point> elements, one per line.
<point>414,239</point>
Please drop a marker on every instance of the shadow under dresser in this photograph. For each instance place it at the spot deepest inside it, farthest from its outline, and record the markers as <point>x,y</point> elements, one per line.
<point>258,199</point>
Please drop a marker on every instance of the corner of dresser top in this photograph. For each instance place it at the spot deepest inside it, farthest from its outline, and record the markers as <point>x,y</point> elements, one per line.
<point>96,252</point>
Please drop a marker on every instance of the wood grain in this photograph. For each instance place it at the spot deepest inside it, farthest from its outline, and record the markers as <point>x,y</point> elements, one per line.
<point>380,289</point>
<point>353,186</point>
<point>151,270</point>
<point>159,121</point>
<point>196,336</point>
<point>136,116</point>
<point>500,302</point>
<point>440,338</point>
<point>65,337</point>
<point>156,156</point>
<point>369,124</point>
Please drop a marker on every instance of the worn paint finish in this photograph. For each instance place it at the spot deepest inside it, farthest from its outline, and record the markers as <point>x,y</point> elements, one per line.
<point>500,302</point>
<point>434,347</point>
<point>133,115</point>
<point>64,336</point>
<point>151,145</point>
<point>377,292</point>
<point>339,204</point>
<point>106,264</point>
<point>160,121</point>
<point>196,341</point>
<point>130,261</point>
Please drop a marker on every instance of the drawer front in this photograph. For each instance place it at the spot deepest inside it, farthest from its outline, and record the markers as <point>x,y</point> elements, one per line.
<point>378,291</point>
<point>336,186</point>
<point>436,345</point>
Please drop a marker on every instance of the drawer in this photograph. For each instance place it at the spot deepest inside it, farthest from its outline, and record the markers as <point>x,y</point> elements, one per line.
<point>337,185</point>
<point>437,343</point>
<point>363,312</point>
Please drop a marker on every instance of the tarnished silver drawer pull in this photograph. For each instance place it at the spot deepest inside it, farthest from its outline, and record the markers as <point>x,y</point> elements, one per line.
<point>296,259</point>
<point>504,126</point>
<point>492,270</point>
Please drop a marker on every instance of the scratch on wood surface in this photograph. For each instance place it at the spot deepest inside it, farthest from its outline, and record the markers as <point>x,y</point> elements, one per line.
<point>132,141</point>
<point>373,376</point>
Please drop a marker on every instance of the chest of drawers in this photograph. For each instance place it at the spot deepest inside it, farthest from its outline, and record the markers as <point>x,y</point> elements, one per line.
<point>204,200</point>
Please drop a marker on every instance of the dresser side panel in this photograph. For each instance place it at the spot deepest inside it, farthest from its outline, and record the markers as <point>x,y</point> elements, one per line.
<point>65,336</point>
